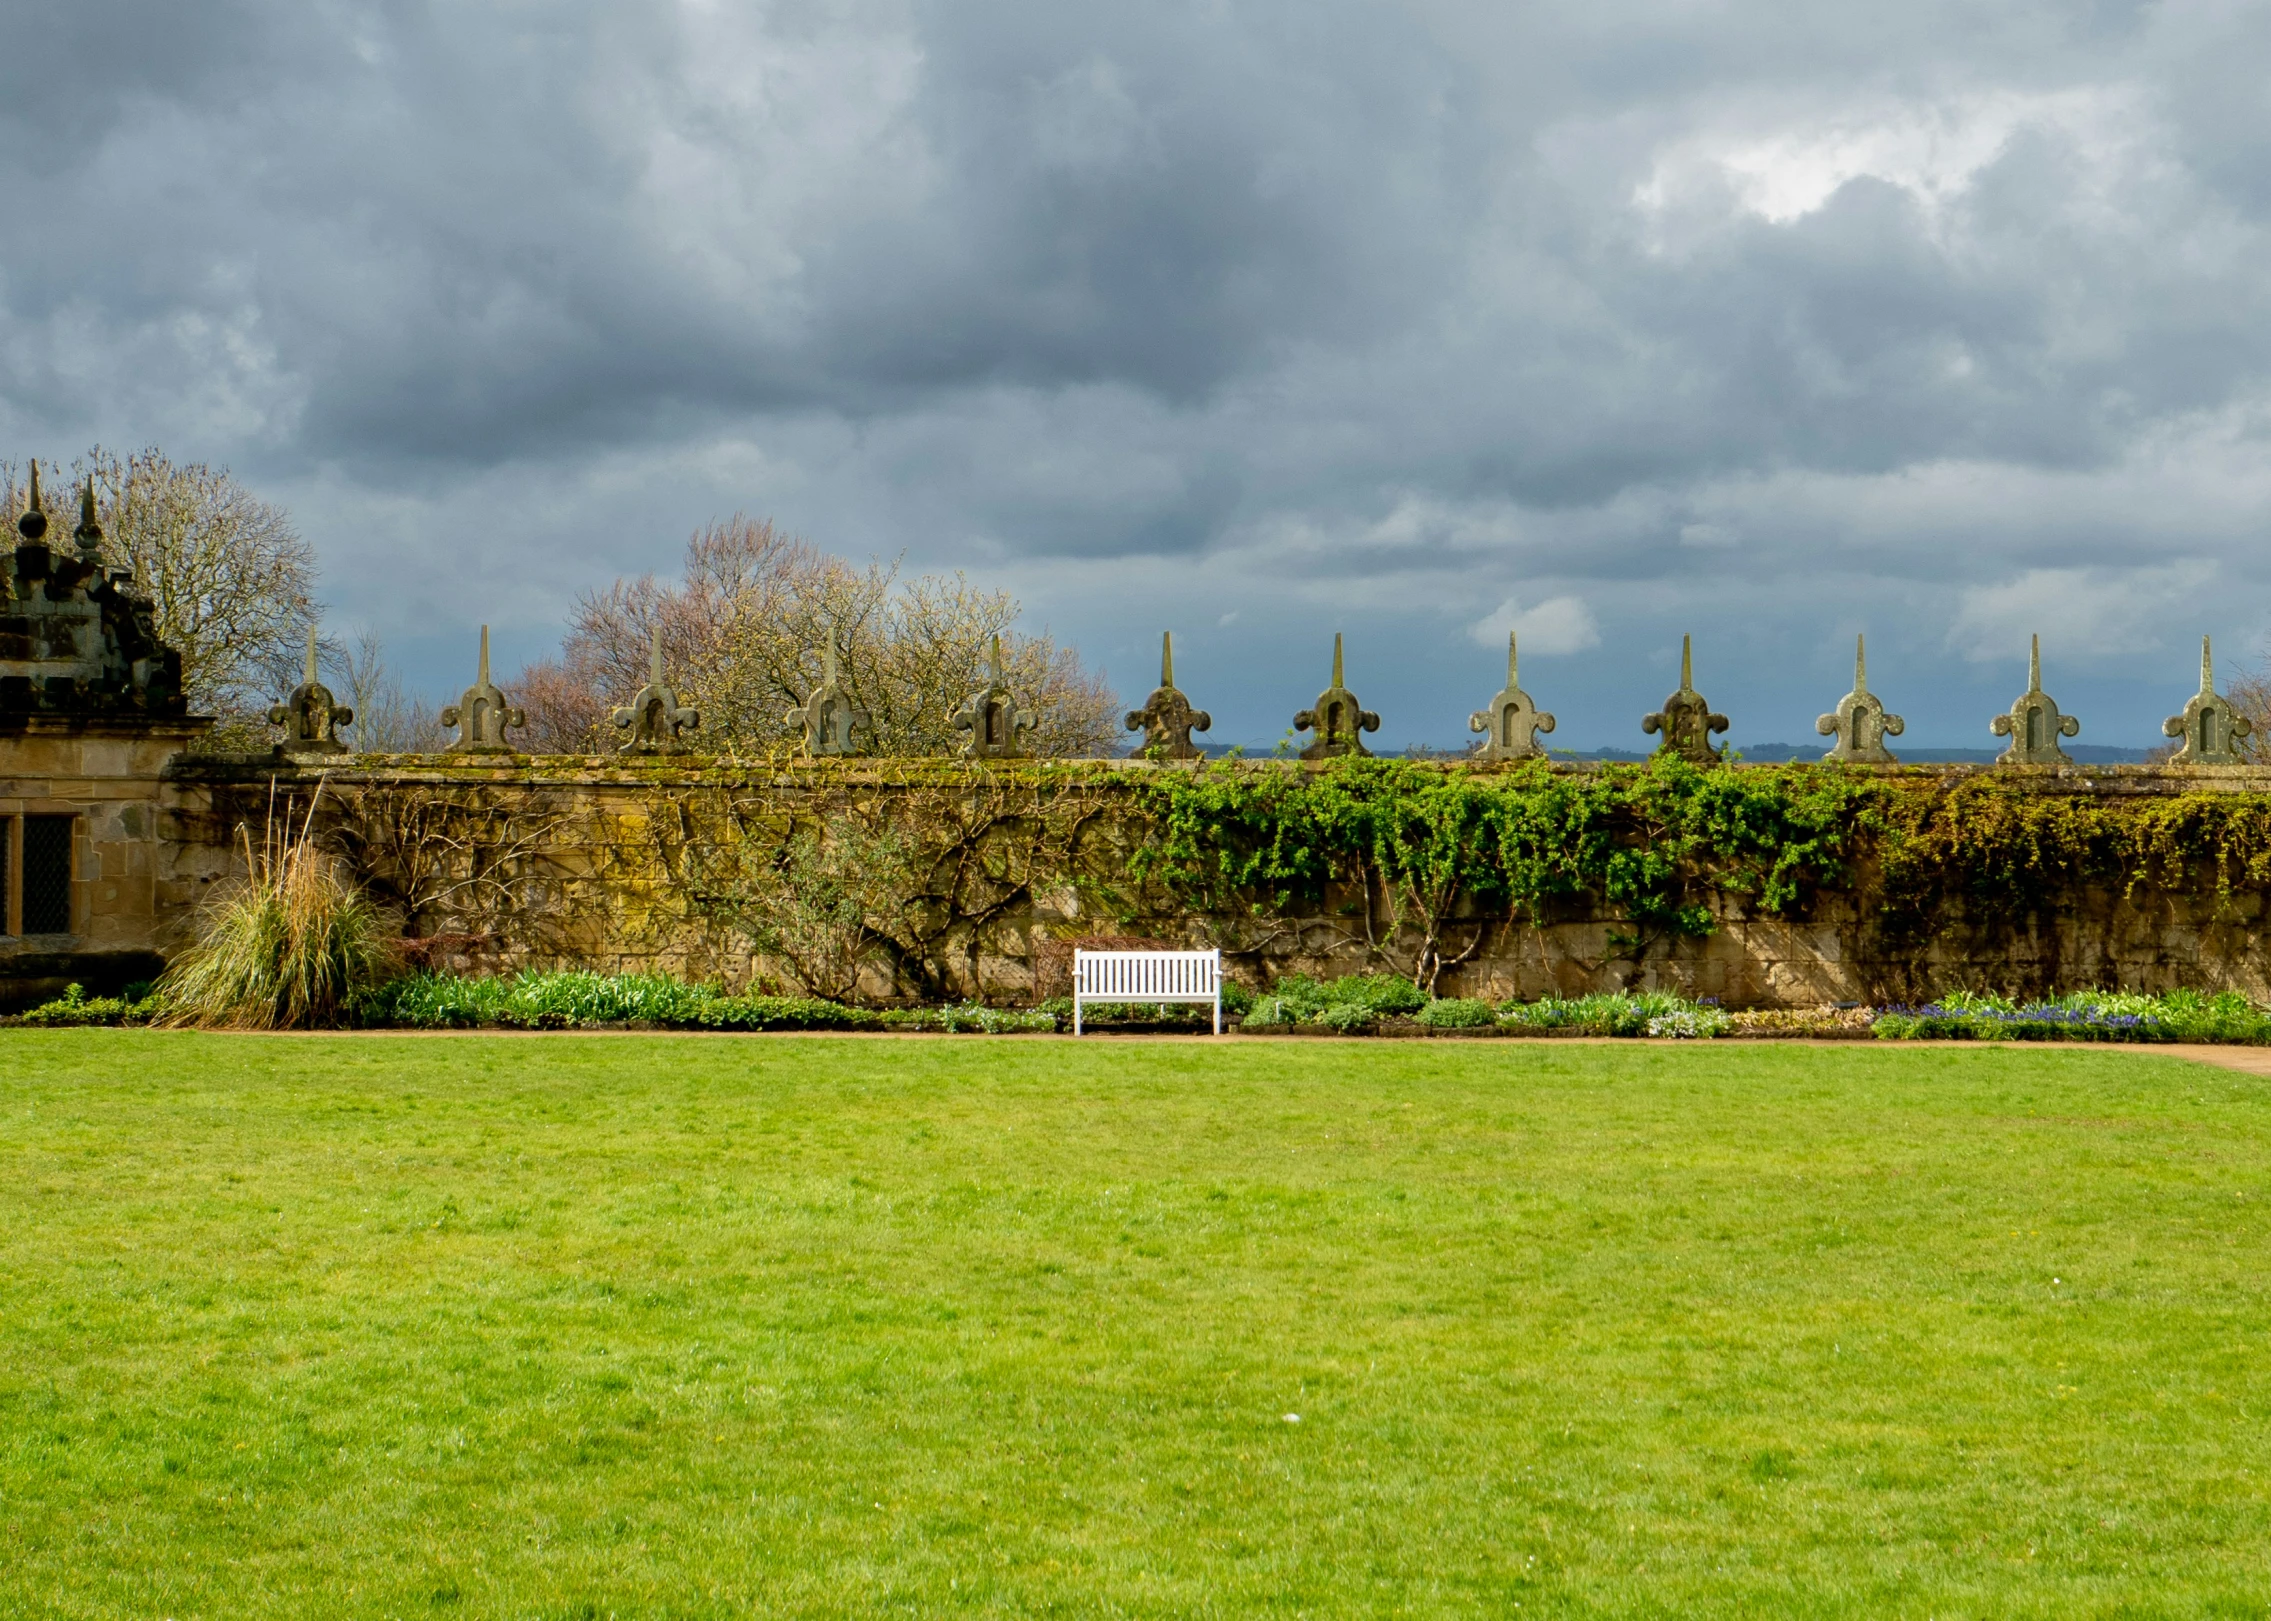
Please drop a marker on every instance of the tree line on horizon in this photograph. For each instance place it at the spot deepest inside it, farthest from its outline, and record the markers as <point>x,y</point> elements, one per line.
<point>744,630</point>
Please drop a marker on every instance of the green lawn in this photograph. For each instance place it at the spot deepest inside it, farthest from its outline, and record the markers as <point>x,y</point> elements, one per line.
<point>671,1326</point>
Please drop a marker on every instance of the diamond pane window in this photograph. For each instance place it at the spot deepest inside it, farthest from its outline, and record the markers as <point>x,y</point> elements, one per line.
<point>47,874</point>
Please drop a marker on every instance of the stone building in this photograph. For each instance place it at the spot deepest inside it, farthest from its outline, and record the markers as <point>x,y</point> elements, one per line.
<point>91,714</point>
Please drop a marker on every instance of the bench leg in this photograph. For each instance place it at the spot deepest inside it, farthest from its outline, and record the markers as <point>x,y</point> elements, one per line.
<point>1218,1015</point>
<point>1076,1015</point>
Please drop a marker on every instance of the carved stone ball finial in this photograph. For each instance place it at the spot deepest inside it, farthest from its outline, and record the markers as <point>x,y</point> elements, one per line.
<point>2033,723</point>
<point>89,534</point>
<point>311,720</point>
<point>655,716</point>
<point>990,715</point>
<point>1860,723</point>
<point>831,721</point>
<point>1686,720</point>
<point>2209,725</point>
<point>33,524</point>
<point>1337,718</point>
<point>1511,722</point>
<point>1167,719</point>
<point>482,715</point>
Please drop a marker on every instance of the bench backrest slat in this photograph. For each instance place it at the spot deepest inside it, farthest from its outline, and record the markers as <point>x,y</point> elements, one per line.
<point>1138,974</point>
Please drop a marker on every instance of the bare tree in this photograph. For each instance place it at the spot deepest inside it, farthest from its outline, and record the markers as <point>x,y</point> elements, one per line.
<point>387,719</point>
<point>232,581</point>
<point>567,714</point>
<point>745,632</point>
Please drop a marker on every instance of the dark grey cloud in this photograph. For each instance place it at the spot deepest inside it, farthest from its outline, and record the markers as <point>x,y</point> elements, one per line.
<point>1769,321</point>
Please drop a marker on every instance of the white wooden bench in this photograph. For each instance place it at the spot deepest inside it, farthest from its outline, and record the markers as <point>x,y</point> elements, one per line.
<point>1146,976</point>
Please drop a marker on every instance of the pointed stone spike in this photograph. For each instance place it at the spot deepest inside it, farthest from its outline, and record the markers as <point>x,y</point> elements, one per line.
<point>2034,665</point>
<point>1337,659</point>
<point>482,679</point>
<point>1513,671</point>
<point>35,504</point>
<point>1860,664</point>
<point>87,504</point>
<point>2207,671</point>
<point>311,656</point>
<point>1687,664</point>
<point>828,662</point>
<point>1166,658</point>
<point>654,658</point>
<point>997,661</point>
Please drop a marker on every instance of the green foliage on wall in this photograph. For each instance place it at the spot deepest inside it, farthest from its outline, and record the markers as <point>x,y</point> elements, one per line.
<point>907,878</point>
<point>1436,855</point>
<point>2004,845</point>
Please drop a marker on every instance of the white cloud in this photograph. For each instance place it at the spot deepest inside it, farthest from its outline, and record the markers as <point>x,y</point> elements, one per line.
<point>1933,150</point>
<point>2083,611</point>
<point>1556,625</point>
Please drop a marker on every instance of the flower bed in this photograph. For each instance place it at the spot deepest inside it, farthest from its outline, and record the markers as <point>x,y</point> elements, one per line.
<point>1363,1004</point>
<point>2083,1016</point>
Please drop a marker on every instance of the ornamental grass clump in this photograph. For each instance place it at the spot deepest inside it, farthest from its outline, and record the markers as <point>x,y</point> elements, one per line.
<point>291,945</point>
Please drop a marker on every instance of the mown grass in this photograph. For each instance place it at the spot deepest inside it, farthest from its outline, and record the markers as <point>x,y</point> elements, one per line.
<point>665,1326</point>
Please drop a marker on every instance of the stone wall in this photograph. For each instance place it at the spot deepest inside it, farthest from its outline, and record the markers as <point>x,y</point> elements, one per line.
<point>127,898</point>
<point>502,862</point>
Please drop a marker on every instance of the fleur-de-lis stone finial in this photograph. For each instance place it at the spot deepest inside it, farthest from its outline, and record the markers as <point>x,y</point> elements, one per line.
<point>311,720</point>
<point>33,524</point>
<point>2033,723</point>
<point>1686,720</point>
<point>831,722</point>
<point>2209,724</point>
<point>655,715</point>
<point>482,715</point>
<point>1512,721</point>
<point>1167,719</point>
<point>991,716</point>
<point>1860,723</point>
<point>1336,718</point>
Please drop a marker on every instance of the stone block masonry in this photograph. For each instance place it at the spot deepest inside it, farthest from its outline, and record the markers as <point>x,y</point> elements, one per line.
<point>921,880</point>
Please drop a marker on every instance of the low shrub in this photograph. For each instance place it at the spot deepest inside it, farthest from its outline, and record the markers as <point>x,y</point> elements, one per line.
<point>1689,1023</point>
<point>434,1001</point>
<point>75,1007</point>
<point>781,1013</point>
<point>1615,1013</point>
<point>971,1018</point>
<point>1352,1003</point>
<point>1818,1023</point>
<point>1457,1013</point>
<point>572,999</point>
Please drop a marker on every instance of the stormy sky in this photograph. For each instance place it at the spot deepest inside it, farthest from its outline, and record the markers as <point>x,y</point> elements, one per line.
<point>1770,322</point>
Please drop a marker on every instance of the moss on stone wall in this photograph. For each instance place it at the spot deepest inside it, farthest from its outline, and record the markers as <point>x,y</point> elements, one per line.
<point>925,879</point>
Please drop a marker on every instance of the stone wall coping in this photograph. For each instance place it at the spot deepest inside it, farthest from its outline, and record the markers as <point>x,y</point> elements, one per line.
<point>709,771</point>
<point>136,727</point>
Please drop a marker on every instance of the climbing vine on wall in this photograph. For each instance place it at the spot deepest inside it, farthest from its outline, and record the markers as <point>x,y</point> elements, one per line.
<point>918,874</point>
<point>908,871</point>
<point>1430,859</point>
